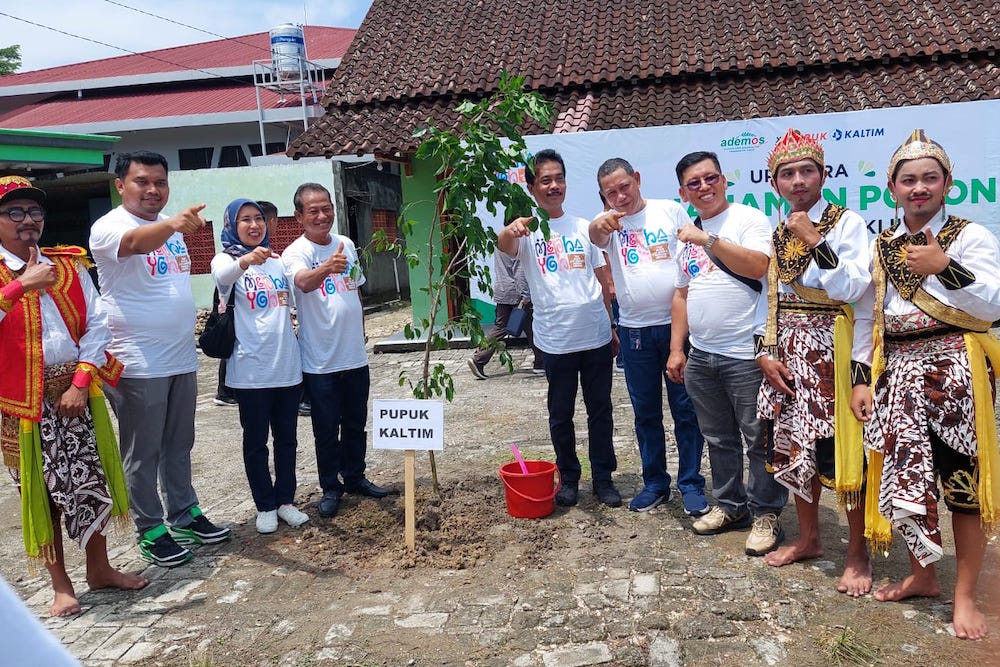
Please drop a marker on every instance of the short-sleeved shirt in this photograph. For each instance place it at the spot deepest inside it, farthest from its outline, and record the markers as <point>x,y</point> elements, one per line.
<point>148,299</point>
<point>569,311</point>
<point>331,327</point>
<point>720,308</point>
<point>642,256</point>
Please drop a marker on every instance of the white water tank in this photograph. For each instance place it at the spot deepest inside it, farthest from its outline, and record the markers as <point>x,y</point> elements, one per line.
<point>288,51</point>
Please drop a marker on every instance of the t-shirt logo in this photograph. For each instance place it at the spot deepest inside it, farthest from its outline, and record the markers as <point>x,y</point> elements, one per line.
<point>266,290</point>
<point>640,246</point>
<point>695,261</point>
<point>343,282</point>
<point>563,253</point>
<point>171,257</point>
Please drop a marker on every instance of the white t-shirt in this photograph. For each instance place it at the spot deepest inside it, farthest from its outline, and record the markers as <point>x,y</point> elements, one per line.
<point>720,308</point>
<point>331,329</point>
<point>643,262</point>
<point>569,313</point>
<point>266,352</point>
<point>148,299</point>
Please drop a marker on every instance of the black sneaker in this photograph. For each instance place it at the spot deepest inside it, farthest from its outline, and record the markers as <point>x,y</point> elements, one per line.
<point>607,493</point>
<point>568,494</point>
<point>157,547</point>
<point>225,400</point>
<point>200,530</point>
<point>305,409</point>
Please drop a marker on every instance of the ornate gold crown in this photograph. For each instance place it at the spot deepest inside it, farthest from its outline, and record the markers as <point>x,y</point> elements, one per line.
<point>792,147</point>
<point>919,145</point>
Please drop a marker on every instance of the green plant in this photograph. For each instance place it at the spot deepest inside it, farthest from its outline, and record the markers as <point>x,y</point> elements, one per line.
<point>474,159</point>
<point>847,648</point>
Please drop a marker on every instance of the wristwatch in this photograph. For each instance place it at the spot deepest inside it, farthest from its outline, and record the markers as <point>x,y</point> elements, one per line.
<point>712,238</point>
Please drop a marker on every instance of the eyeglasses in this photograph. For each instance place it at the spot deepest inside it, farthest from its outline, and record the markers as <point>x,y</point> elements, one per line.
<point>259,219</point>
<point>695,184</point>
<point>18,214</point>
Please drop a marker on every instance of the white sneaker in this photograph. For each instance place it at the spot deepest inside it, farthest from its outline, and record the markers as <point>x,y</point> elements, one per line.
<point>765,536</point>
<point>292,515</point>
<point>267,522</point>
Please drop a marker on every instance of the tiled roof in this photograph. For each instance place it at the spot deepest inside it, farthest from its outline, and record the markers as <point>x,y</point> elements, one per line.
<point>129,105</point>
<point>649,62</point>
<point>321,43</point>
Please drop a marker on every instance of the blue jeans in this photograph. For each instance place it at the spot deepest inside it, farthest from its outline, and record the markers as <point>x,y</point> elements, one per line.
<point>724,393</point>
<point>273,409</point>
<point>339,413</point>
<point>645,351</point>
<point>592,369</point>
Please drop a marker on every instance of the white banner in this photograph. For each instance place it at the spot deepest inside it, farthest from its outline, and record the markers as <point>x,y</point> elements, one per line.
<point>857,145</point>
<point>409,424</point>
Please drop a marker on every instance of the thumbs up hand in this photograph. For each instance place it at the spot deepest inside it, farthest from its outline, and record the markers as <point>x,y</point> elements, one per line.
<point>926,260</point>
<point>37,276</point>
<point>337,262</point>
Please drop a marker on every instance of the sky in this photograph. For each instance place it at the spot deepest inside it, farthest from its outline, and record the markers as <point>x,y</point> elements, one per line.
<point>117,23</point>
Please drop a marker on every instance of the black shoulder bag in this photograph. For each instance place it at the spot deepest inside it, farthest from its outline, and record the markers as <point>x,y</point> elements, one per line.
<point>219,336</point>
<point>755,285</point>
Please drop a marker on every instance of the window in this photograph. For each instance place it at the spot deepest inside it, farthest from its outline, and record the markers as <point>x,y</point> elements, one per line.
<point>271,147</point>
<point>233,156</point>
<point>195,158</point>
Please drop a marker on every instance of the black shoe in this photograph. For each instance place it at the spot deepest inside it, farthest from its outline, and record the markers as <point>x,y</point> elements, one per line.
<point>221,399</point>
<point>200,530</point>
<point>568,494</point>
<point>367,488</point>
<point>329,504</point>
<point>157,547</point>
<point>305,409</point>
<point>607,493</point>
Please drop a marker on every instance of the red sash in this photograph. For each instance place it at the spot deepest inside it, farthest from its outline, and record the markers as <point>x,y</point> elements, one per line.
<point>21,335</point>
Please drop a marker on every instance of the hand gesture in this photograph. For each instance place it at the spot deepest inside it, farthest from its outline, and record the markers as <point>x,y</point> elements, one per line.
<point>72,403</point>
<point>520,227</point>
<point>802,227</point>
<point>337,262</point>
<point>676,362</point>
<point>189,220</point>
<point>926,260</point>
<point>37,276</point>
<point>777,374</point>
<point>257,256</point>
<point>609,221</point>
<point>691,234</point>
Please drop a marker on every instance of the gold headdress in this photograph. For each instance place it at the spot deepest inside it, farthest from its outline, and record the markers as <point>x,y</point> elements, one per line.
<point>918,145</point>
<point>792,147</point>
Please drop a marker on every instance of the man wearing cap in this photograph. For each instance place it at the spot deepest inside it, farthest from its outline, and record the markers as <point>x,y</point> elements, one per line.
<point>640,237</point>
<point>144,272</point>
<point>922,332</point>
<point>55,430</point>
<point>724,256</point>
<point>803,333</point>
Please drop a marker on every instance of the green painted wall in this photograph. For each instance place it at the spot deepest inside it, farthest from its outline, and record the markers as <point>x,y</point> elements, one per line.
<point>419,205</point>
<point>218,187</point>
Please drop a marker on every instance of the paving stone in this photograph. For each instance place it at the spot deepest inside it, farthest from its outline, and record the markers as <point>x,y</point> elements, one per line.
<point>118,644</point>
<point>645,584</point>
<point>664,651</point>
<point>578,656</point>
<point>178,591</point>
<point>90,641</point>
<point>337,631</point>
<point>702,626</point>
<point>425,620</point>
<point>769,650</point>
<point>523,620</point>
<point>378,610</point>
<point>617,590</point>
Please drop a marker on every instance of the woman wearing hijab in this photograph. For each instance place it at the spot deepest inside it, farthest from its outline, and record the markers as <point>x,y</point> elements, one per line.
<point>265,368</point>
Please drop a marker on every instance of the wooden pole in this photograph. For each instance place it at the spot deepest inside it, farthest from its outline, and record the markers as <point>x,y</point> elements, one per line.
<point>410,500</point>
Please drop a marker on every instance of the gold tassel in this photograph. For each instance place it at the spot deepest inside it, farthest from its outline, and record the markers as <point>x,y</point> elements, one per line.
<point>771,328</point>
<point>980,346</point>
<point>878,530</point>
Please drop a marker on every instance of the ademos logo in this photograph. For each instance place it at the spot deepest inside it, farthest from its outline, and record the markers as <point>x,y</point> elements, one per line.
<point>741,143</point>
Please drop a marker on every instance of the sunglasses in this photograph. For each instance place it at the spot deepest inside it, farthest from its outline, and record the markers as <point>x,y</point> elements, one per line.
<point>19,214</point>
<point>710,180</point>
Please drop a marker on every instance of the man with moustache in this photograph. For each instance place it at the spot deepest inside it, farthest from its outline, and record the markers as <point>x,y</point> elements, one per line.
<point>144,271</point>
<point>572,327</point>
<point>819,267</point>
<point>640,237</point>
<point>720,268</point>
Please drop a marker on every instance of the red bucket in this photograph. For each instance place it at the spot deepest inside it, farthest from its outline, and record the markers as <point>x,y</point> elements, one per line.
<point>531,495</point>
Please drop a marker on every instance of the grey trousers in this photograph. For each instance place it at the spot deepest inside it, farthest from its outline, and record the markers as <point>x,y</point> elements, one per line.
<point>156,435</point>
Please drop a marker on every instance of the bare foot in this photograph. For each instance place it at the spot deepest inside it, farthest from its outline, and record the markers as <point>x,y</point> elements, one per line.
<point>857,578</point>
<point>64,604</point>
<point>913,586</point>
<point>969,622</point>
<point>112,578</point>
<point>793,553</point>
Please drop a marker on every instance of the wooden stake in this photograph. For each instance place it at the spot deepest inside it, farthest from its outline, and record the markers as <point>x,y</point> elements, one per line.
<point>410,499</point>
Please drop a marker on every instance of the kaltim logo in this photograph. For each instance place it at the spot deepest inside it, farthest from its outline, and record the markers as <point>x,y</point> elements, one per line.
<point>742,143</point>
<point>864,133</point>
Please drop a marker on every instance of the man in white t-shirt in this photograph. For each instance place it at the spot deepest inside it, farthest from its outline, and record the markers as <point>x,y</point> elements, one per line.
<point>325,274</point>
<point>145,279</point>
<point>572,327</point>
<point>640,237</point>
<point>720,267</point>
